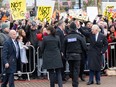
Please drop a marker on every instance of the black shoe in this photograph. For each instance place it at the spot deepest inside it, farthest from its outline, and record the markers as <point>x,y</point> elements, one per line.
<point>89,83</point>
<point>98,83</point>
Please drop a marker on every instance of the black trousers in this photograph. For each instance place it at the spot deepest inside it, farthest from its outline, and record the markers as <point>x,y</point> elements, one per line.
<point>74,66</point>
<point>9,77</point>
<point>53,73</point>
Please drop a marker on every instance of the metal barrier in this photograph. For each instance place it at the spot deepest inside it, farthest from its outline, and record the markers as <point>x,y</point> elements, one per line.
<point>109,60</point>
<point>1,68</point>
<point>103,61</point>
<point>39,64</point>
<point>67,65</point>
<point>111,55</point>
<point>30,66</point>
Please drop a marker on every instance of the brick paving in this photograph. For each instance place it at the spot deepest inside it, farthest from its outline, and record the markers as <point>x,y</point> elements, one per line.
<point>106,81</point>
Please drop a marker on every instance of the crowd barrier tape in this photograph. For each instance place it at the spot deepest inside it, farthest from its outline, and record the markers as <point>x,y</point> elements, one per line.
<point>30,66</point>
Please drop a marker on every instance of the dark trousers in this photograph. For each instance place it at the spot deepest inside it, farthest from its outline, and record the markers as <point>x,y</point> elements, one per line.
<point>63,69</point>
<point>52,73</point>
<point>74,66</point>
<point>91,76</point>
<point>82,66</point>
<point>9,77</point>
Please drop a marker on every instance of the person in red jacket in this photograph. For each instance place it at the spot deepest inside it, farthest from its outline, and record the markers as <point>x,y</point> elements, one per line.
<point>111,38</point>
<point>41,72</point>
<point>41,34</point>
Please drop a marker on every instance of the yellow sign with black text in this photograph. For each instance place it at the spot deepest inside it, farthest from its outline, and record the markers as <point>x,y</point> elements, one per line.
<point>18,9</point>
<point>44,13</point>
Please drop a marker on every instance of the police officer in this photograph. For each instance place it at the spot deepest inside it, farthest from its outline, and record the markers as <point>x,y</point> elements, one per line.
<point>73,45</point>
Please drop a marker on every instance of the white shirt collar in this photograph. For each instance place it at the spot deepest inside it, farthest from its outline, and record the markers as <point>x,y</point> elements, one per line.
<point>97,36</point>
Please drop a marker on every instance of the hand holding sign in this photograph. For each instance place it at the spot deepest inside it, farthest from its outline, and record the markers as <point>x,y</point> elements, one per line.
<point>18,9</point>
<point>44,13</point>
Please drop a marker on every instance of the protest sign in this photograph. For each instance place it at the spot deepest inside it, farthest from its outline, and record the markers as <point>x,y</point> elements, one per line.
<point>109,9</point>
<point>82,15</point>
<point>45,10</point>
<point>18,9</point>
<point>109,12</point>
<point>92,12</point>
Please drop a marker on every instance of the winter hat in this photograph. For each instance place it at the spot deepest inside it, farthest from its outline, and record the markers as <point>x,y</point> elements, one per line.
<point>4,25</point>
<point>34,23</point>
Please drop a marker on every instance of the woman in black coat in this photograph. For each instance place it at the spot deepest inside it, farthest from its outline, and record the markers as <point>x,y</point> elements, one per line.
<point>51,56</point>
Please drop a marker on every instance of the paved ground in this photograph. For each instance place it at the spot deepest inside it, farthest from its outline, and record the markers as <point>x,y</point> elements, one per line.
<point>106,81</point>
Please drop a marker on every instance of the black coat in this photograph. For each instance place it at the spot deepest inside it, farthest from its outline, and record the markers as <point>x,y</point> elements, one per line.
<point>51,52</point>
<point>74,43</point>
<point>9,56</point>
<point>96,49</point>
<point>60,33</point>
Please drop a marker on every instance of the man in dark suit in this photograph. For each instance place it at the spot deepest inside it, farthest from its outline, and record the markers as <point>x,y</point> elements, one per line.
<point>61,34</point>
<point>98,46</point>
<point>10,54</point>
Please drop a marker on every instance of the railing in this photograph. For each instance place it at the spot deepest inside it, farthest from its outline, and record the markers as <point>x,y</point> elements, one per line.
<point>111,55</point>
<point>30,66</point>
<point>39,64</point>
<point>109,60</point>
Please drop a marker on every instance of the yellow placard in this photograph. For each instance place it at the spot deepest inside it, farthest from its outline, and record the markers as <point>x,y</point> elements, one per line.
<point>44,13</point>
<point>109,12</point>
<point>18,9</point>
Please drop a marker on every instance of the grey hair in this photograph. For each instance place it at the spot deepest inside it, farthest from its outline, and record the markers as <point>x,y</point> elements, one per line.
<point>60,22</point>
<point>95,26</point>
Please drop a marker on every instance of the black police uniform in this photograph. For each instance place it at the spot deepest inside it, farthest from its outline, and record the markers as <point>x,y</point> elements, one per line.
<point>73,45</point>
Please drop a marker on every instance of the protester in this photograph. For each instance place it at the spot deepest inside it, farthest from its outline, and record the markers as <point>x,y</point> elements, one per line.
<point>4,33</point>
<point>41,72</point>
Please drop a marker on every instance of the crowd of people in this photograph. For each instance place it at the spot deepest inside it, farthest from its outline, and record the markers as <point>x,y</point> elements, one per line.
<point>59,41</point>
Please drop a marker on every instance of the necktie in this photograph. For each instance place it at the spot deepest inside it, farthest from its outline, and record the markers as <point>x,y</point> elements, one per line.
<point>17,49</point>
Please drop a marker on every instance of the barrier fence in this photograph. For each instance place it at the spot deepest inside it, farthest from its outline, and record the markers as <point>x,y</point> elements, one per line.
<point>109,61</point>
<point>103,57</point>
<point>111,55</point>
<point>27,68</point>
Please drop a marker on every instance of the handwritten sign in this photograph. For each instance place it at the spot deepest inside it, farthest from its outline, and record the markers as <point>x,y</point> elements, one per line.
<point>109,12</point>
<point>18,9</point>
<point>44,13</point>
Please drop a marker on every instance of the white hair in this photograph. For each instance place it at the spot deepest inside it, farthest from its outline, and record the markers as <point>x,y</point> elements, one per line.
<point>96,27</point>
